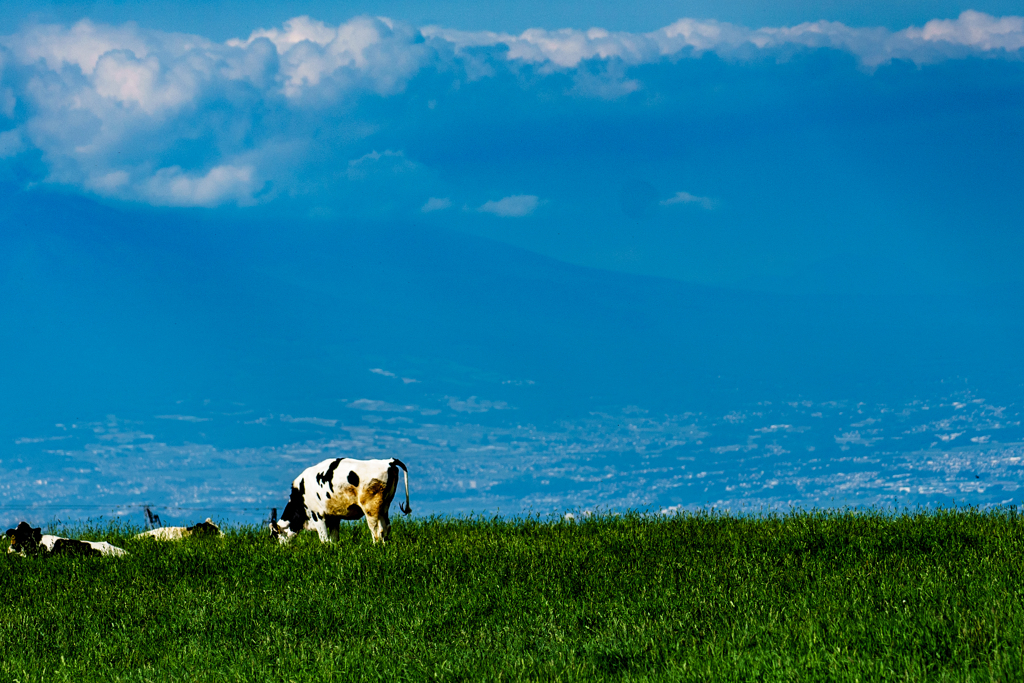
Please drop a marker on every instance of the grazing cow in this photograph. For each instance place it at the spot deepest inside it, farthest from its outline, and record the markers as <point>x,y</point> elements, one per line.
<point>338,489</point>
<point>174,533</point>
<point>26,539</point>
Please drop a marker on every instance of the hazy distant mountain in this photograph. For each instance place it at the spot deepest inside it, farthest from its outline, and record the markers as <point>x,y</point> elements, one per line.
<point>106,310</point>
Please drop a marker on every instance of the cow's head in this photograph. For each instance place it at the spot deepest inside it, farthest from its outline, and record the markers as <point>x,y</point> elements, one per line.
<point>281,530</point>
<point>24,538</point>
<point>294,518</point>
<point>207,528</point>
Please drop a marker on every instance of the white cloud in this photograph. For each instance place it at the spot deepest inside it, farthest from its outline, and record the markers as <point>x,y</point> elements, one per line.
<point>687,198</point>
<point>318,421</point>
<point>293,32</point>
<point>512,207</point>
<point>608,83</point>
<point>436,204</point>
<point>220,185</point>
<point>474,405</point>
<point>386,55</point>
<point>41,439</point>
<point>109,183</point>
<point>975,29</point>
<point>82,45</point>
<point>110,109</point>
<point>566,48</point>
<point>379,406</point>
<point>144,82</point>
<point>376,162</point>
<point>387,373</point>
<point>102,102</point>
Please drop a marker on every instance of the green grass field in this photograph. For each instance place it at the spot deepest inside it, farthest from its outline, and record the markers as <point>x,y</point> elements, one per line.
<point>807,596</point>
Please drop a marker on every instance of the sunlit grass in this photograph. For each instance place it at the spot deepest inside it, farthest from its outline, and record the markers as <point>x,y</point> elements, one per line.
<point>807,596</point>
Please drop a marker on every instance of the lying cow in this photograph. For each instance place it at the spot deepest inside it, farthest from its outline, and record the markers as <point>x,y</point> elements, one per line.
<point>174,533</point>
<point>338,489</point>
<point>26,539</point>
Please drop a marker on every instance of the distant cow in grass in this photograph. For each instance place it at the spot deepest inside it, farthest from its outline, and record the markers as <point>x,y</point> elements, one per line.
<point>342,488</point>
<point>26,540</point>
<point>174,533</point>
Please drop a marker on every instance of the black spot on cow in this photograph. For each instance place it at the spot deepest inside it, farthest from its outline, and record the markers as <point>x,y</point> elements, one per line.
<point>25,538</point>
<point>204,529</point>
<point>73,548</point>
<point>328,476</point>
<point>312,515</point>
<point>353,478</point>
<point>295,511</point>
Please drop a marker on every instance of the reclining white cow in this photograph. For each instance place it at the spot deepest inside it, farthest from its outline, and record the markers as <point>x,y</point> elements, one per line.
<point>174,533</point>
<point>338,489</point>
<point>26,539</point>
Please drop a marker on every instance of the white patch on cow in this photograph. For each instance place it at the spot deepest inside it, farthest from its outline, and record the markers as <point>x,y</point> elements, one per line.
<point>164,533</point>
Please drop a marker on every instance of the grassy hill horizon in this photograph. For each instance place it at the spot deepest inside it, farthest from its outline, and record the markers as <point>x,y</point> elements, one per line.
<point>817,595</point>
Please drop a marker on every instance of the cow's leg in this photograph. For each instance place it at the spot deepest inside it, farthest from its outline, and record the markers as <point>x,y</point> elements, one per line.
<point>321,529</point>
<point>376,528</point>
<point>333,526</point>
<point>374,501</point>
<point>371,521</point>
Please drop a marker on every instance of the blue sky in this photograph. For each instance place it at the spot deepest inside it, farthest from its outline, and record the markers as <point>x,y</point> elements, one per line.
<point>226,19</point>
<point>532,212</point>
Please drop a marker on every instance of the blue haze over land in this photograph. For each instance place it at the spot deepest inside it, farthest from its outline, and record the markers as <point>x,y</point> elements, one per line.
<point>672,266</point>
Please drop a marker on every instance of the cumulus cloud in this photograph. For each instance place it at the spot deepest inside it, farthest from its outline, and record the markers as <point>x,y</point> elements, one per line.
<point>687,198</point>
<point>436,204</point>
<point>388,162</point>
<point>174,119</point>
<point>173,187</point>
<point>974,29</point>
<point>566,48</point>
<point>376,51</point>
<point>82,45</point>
<point>180,120</point>
<point>514,206</point>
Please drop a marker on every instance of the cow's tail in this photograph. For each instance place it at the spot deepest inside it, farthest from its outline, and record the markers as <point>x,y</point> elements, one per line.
<point>407,509</point>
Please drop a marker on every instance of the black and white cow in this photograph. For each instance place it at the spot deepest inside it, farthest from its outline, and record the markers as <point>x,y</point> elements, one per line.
<point>174,533</point>
<point>26,539</point>
<point>342,488</point>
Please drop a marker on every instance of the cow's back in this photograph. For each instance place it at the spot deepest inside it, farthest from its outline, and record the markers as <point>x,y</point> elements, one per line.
<point>165,533</point>
<point>339,487</point>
